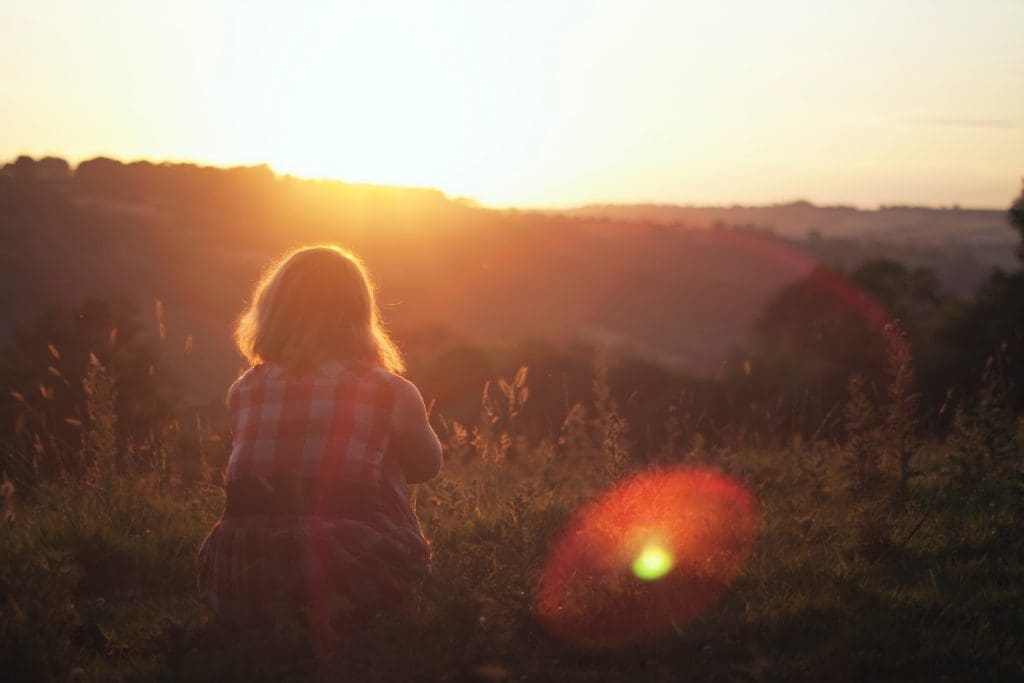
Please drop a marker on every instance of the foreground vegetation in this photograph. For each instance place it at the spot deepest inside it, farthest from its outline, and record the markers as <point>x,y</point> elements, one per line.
<point>866,565</point>
<point>889,541</point>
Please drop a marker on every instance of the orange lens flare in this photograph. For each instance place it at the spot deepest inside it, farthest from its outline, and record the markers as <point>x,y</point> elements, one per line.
<point>653,553</point>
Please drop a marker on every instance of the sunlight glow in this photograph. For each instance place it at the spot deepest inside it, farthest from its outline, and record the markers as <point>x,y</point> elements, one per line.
<point>538,103</point>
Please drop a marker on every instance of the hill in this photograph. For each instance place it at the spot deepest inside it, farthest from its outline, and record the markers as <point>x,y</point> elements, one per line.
<point>912,225</point>
<point>920,235</point>
<point>450,273</point>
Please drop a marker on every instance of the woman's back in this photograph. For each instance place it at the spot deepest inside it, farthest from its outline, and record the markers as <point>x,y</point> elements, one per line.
<point>325,436</point>
<point>318,515</point>
<point>329,425</point>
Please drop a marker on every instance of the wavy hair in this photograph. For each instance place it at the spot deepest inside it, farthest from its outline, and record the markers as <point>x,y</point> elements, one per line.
<point>316,304</point>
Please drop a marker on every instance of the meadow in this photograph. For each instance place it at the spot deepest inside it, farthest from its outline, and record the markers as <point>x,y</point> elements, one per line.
<point>877,556</point>
<point>716,309</point>
<point>862,426</point>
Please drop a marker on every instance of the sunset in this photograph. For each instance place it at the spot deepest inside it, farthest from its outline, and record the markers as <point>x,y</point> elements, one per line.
<point>472,341</point>
<point>540,104</point>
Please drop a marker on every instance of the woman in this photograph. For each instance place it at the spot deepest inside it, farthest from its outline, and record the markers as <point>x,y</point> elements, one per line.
<point>325,438</point>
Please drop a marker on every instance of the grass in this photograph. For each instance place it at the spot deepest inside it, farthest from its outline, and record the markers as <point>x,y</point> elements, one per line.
<point>922,581</point>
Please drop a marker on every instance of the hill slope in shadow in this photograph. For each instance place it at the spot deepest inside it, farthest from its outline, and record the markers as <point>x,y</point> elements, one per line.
<point>196,239</point>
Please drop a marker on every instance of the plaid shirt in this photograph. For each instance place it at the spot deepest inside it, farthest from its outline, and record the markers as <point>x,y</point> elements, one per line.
<point>329,426</point>
<point>332,426</point>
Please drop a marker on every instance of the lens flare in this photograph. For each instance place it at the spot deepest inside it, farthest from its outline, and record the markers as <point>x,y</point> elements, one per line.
<point>653,563</point>
<point>651,554</point>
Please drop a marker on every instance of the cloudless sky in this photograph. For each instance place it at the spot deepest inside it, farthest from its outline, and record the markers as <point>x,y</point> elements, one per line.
<point>548,103</point>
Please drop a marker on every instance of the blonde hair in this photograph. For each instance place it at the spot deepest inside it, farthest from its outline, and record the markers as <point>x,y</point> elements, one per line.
<point>315,304</point>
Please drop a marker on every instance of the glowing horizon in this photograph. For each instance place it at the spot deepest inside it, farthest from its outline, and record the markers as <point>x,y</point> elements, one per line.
<point>540,106</point>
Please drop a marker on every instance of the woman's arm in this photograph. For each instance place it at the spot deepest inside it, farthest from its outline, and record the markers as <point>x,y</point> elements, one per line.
<point>413,442</point>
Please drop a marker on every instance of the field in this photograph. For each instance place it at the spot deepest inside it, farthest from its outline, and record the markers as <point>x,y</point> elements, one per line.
<point>857,571</point>
<point>835,493</point>
<point>695,331</point>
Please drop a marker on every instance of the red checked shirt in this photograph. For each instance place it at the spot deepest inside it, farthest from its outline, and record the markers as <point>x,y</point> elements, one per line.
<point>328,426</point>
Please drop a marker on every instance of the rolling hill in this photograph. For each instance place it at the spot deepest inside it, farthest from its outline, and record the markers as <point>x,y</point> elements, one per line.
<point>662,285</point>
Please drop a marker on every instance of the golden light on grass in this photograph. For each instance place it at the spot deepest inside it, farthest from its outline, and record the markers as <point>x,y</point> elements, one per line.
<point>651,554</point>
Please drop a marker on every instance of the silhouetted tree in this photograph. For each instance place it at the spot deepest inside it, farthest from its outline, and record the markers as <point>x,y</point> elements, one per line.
<point>24,169</point>
<point>52,168</point>
<point>816,333</point>
<point>992,326</point>
<point>1016,218</point>
<point>812,335</point>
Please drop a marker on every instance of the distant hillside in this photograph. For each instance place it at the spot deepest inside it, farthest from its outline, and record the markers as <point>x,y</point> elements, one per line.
<point>196,238</point>
<point>982,229</point>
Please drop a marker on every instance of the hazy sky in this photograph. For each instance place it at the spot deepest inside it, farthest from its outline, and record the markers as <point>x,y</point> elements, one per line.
<point>539,103</point>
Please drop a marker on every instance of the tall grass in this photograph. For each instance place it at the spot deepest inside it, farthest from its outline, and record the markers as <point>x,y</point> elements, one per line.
<point>883,556</point>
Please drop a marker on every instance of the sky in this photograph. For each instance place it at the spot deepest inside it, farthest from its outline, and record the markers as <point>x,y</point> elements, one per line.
<point>552,103</point>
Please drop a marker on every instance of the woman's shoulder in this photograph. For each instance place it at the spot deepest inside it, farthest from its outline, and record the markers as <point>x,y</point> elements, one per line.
<point>398,384</point>
<point>404,395</point>
<point>330,371</point>
<point>376,373</point>
<point>245,381</point>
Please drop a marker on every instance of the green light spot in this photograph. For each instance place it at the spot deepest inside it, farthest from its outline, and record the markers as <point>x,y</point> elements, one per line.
<point>653,563</point>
